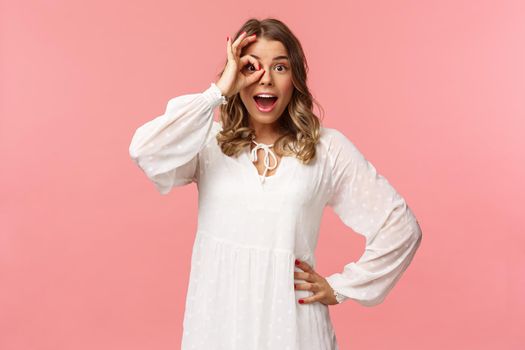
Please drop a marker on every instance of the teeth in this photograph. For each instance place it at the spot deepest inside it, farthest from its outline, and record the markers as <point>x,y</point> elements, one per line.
<point>265,95</point>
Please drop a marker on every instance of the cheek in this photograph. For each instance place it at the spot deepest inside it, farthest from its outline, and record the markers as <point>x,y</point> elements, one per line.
<point>288,87</point>
<point>245,98</point>
<point>288,90</point>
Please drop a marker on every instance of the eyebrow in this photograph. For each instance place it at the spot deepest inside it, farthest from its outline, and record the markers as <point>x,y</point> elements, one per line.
<point>274,59</point>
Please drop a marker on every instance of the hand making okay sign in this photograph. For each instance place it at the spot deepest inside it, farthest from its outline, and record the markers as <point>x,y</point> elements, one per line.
<point>315,283</point>
<point>233,78</point>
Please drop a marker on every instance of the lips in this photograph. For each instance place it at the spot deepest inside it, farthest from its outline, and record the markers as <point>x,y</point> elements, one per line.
<point>265,104</point>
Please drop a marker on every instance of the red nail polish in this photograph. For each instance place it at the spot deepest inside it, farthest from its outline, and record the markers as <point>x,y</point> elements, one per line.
<point>295,286</point>
<point>301,301</point>
<point>297,262</point>
<point>227,38</point>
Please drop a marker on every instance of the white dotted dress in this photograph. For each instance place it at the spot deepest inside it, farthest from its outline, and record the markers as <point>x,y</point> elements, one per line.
<point>251,228</point>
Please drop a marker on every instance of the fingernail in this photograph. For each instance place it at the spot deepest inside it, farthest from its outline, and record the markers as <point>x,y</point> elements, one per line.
<point>297,262</point>
<point>301,301</point>
<point>295,286</point>
<point>227,38</point>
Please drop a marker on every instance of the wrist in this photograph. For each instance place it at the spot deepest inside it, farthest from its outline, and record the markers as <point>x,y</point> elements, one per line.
<point>223,92</point>
<point>339,297</point>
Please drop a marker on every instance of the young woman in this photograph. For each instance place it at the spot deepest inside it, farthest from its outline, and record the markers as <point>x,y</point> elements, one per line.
<point>264,174</point>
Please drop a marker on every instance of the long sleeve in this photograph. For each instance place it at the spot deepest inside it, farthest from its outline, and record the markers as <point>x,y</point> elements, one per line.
<point>367,203</point>
<point>166,148</point>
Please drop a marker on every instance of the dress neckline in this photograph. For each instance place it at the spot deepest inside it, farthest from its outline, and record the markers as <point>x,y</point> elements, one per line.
<point>267,154</point>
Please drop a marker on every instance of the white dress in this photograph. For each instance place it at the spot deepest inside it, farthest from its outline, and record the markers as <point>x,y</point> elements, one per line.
<point>251,228</point>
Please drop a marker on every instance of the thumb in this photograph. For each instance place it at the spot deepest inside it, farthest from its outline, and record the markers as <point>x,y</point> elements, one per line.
<point>255,76</point>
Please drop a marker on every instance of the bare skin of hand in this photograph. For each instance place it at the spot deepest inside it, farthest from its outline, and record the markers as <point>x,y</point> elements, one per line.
<point>315,283</point>
<point>233,79</point>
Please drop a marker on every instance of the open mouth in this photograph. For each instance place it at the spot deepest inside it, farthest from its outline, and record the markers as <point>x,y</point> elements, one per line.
<point>265,103</point>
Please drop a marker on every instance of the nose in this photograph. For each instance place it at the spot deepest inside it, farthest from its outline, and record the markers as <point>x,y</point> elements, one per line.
<point>266,77</point>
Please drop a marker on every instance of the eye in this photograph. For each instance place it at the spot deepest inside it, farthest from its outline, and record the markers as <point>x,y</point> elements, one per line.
<point>247,67</point>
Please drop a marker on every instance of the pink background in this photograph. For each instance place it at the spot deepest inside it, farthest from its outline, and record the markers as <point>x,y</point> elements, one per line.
<point>432,92</point>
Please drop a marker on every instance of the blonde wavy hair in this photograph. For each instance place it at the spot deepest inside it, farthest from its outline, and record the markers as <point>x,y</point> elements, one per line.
<point>298,123</point>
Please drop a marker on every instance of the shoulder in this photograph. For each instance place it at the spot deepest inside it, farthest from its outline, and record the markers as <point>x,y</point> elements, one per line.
<point>339,149</point>
<point>334,140</point>
<point>328,134</point>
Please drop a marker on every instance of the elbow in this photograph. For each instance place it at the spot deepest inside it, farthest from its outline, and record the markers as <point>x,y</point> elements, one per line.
<point>413,227</point>
<point>136,146</point>
<point>417,233</point>
<point>372,301</point>
<point>163,190</point>
<point>134,153</point>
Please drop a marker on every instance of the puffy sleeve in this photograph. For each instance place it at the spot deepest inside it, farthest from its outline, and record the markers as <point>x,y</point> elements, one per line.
<point>166,148</point>
<point>367,203</point>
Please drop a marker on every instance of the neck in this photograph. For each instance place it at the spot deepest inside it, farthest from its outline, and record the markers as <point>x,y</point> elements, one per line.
<point>265,133</point>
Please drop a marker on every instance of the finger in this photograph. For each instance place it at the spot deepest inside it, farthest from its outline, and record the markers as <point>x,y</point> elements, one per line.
<point>242,41</point>
<point>312,287</point>
<point>252,78</point>
<point>237,41</point>
<point>249,59</point>
<point>304,266</point>
<point>229,49</point>
<point>247,40</point>
<point>311,299</point>
<point>306,276</point>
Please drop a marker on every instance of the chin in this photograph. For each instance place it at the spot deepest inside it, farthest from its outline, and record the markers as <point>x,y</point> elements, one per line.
<point>265,118</point>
